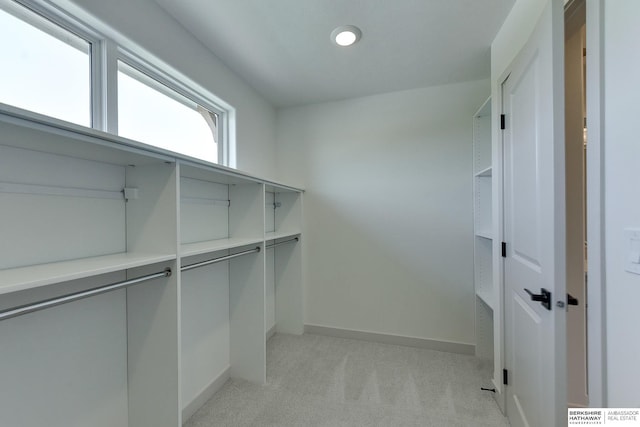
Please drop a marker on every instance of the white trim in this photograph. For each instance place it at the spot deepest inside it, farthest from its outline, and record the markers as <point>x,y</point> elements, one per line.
<point>227,128</point>
<point>55,16</point>
<point>207,393</point>
<point>497,163</point>
<point>109,89</point>
<point>596,319</point>
<point>98,86</point>
<point>446,346</point>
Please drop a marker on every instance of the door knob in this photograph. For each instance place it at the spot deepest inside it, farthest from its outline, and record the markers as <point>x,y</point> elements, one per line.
<point>544,297</point>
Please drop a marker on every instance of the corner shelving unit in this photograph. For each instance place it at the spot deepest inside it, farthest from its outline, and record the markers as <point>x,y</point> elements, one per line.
<point>483,237</point>
<point>222,304</point>
<point>283,227</point>
<point>99,317</point>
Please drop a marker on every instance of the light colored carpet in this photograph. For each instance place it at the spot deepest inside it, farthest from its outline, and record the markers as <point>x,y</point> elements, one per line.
<point>315,380</point>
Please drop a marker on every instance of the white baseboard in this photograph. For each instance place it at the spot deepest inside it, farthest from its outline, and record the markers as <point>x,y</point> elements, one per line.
<point>446,346</point>
<point>271,332</point>
<point>499,398</point>
<point>206,394</point>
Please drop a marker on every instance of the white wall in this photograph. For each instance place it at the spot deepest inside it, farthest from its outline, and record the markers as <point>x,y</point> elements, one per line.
<point>61,372</point>
<point>152,29</point>
<point>388,209</point>
<point>622,201</point>
<point>514,33</point>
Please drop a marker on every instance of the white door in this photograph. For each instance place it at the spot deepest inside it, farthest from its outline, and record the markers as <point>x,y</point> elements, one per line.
<point>534,230</point>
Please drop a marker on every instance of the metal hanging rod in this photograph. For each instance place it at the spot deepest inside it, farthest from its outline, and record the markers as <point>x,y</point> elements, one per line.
<point>273,245</point>
<point>216,260</point>
<point>41,305</point>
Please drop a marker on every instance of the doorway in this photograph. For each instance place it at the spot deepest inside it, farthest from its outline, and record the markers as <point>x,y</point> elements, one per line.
<point>576,220</point>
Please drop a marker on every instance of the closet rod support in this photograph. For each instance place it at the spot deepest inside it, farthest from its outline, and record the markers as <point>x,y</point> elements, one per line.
<point>273,245</point>
<point>52,302</point>
<point>216,260</point>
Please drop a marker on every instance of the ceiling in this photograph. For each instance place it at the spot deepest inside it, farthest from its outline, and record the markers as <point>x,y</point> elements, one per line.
<point>282,48</point>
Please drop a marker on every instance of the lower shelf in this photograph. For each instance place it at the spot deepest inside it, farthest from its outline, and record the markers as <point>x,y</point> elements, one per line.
<point>199,248</point>
<point>485,234</point>
<point>23,278</point>
<point>485,296</point>
<point>280,235</point>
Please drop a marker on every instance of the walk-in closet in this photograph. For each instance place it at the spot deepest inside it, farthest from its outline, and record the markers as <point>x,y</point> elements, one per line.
<point>134,282</point>
<point>317,213</point>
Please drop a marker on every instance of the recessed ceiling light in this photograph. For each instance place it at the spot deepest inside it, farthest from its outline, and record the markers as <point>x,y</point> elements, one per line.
<point>346,35</point>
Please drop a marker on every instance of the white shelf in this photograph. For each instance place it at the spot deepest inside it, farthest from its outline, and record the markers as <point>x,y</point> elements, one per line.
<point>280,235</point>
<point>483,241</point>
<point>199,248</point>
<point>485,296</point>
<point>484,173</point>
<point>23,278</point>
<point>25,129</point>
<point>142,328</point>
<point>485,234</point>
<point>485,109</point>
<point>273,187</point>
<point>30,130</point>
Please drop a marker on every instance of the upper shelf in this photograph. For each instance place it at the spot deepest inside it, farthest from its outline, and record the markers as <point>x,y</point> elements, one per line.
<point>26,129</point>
<point>273,187</point>
<point>23,278</point>
<point>35,133</point>
<point>485,109</point>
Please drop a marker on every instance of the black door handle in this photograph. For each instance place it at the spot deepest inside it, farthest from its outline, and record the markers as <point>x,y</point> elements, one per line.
<point>571,300</point>
<point>544,297</point>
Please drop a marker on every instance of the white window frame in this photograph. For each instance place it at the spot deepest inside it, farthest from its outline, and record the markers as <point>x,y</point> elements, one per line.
<point>107,48</point>
<point>161,81</point>
<point>59,19</point>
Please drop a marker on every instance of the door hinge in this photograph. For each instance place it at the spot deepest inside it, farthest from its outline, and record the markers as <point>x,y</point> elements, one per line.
<point>504,249</point>
<point>503,120</point>
<point>505,377</point>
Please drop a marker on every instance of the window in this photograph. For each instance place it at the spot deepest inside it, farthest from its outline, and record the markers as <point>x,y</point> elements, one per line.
<point>45,68</point>
<point>151,112</point>
<point>56,65</point>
